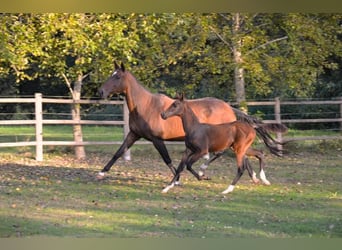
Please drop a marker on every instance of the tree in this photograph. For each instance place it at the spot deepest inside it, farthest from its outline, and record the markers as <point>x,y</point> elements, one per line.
<point>69,46</point>
<point>230,55</point>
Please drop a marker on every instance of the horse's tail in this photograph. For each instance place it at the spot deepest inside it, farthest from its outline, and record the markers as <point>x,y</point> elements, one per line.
<point>273,145</point>
<point>263,130</point>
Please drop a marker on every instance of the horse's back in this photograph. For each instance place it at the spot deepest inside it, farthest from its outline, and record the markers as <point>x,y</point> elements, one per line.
<point>245,133</point>
<point>212,110</point>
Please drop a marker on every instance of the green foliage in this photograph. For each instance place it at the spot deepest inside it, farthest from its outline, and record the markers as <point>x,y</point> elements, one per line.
<point>283,54</point>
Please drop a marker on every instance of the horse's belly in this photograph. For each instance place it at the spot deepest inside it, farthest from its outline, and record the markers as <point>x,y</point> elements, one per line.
<point>219,144</point>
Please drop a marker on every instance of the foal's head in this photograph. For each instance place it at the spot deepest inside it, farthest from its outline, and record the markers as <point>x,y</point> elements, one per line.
<point>115,84</point>
<point>175,109</point>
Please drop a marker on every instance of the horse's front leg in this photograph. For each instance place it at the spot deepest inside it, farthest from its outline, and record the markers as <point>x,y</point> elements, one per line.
<point>161,148</point>
<point>205,165</point>
<point>180,169</point>
<point>130,139</point>
<point>191,160</point>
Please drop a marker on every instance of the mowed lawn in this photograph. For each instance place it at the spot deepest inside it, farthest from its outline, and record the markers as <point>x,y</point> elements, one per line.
<point>62,197</point>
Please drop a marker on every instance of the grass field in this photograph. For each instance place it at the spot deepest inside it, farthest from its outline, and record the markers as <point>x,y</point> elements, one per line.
<point>61,196</point>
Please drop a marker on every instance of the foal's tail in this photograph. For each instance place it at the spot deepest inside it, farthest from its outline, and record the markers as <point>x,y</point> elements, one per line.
<point>273,145</point>
<point>263,130</point>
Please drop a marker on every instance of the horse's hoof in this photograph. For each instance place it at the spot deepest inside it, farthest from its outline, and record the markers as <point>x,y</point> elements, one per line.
<point>229,189</point>
<point>100,176</point>
<point>165,190</point>
<point>267,183</point>
<point>206,156</point>
<point>256,181</point>
<point>178,183</point>
<point>205,178</point>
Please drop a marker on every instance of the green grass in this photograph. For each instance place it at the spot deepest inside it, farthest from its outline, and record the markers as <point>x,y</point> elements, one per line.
<point>108,133</point>
<point>60,132</point>
<point>61,197</point>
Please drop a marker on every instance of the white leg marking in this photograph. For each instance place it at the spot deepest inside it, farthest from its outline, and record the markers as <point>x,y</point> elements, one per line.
<point>255,179</point>
<point>177,183</point>
<point>263,178</point>
<point>165,190</point>
<point>207,156</point>
<point>100,175</point>
<point>229,189</point>
<point>127,157</point>
<point>204,166</point>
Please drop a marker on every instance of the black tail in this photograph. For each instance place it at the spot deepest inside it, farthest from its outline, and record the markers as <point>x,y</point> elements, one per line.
<point>263,130</point>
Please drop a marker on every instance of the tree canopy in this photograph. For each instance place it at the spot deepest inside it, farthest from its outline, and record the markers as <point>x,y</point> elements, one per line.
<point>290,55</point>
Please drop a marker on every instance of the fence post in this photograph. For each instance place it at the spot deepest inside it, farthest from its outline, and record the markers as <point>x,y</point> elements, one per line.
<point>277,114</point>
<point>127,154</point>
<point>39,126</point>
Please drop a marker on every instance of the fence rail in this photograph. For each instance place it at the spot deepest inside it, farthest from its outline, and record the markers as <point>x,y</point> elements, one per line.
<point>38,122</point>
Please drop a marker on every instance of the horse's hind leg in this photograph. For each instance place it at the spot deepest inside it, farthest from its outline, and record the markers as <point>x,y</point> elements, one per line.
<point>130,139</point>
<point>250,170</point>
<point>231,187</point>
<point>241,166</point>
<point>261,157</point>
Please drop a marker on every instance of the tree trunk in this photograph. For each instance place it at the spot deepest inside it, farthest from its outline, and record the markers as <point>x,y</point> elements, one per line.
<point>239,79</point>
<point>76,116</point>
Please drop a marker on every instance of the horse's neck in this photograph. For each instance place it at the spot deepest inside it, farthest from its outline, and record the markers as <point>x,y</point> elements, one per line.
<point>189,119</point>
<point>137,96</point>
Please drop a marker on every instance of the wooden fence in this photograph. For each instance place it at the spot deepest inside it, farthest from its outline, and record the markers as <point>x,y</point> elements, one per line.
<point>38,121</point>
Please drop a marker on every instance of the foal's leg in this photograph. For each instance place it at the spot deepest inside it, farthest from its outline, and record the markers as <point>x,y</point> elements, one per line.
<point>260,156</point>
<point>205,165</point>
<point>231,187</point>
<point>191,160</point>
<point>250,170</point>
<point>179,169</point>
<point>130,139</point>
<point>188,159</point>
<point>241,166</point>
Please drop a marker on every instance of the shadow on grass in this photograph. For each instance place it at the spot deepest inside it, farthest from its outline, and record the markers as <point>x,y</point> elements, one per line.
<point>69,201</point>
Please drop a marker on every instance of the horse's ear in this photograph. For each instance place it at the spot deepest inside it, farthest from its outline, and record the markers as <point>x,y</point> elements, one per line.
<point>182,96</point>
<point>122,67</point>
<point>178,96</point>
<point>116,66</point>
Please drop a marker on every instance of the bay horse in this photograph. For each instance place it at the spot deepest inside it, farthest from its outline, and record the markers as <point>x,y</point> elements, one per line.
<point>204,138</point>
<point>144,115</point>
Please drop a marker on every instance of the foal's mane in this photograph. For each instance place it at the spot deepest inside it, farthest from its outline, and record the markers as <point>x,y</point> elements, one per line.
<point>184,101</point>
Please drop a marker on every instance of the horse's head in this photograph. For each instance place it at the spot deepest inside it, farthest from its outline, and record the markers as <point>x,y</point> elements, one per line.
<point>115,84</point>
<point>175,109</point>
